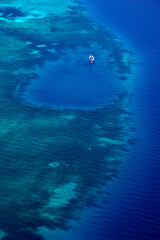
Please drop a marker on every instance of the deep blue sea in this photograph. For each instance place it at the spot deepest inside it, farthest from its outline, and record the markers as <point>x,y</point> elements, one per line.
<point>132,209</point>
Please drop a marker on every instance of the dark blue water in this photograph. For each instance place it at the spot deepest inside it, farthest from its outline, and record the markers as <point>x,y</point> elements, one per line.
<point>132,211</point>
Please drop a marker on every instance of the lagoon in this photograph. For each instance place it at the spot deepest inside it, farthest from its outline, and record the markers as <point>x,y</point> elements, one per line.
<point>73,83</point>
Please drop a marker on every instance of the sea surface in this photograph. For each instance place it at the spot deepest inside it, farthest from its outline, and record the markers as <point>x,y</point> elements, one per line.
<point>80,142</point>
<point>132,211</point>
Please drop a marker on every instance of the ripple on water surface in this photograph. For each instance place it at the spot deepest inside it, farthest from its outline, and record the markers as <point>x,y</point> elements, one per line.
<point>72,82</point>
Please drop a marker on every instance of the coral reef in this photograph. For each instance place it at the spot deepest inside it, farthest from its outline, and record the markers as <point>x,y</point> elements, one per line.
<point>52,162</point>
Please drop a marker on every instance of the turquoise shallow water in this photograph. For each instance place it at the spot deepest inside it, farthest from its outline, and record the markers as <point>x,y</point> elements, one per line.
<point>54,162</point>
<point>63,122</point>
